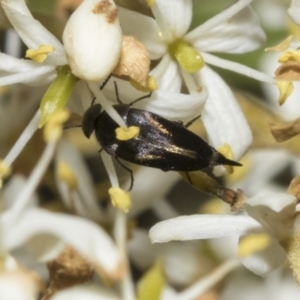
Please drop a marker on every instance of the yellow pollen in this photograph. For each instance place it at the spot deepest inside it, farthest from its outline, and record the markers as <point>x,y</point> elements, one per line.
<point>151,84</point>
<point>39,55</point>
<point>253,243</point>
<point>189,58</point>
<point>66,174</point>
<point>289,55</point>
<point>285,90</point>
<point>150,3</point>
<point>282,46</point>
<point>124,134</point>
<point>226,150</point>
<point>5,171</point>
<point>120,199</point>
<point>53,128</point>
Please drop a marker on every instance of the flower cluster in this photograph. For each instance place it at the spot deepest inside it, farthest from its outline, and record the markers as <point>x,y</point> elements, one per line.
<point>160,59</point>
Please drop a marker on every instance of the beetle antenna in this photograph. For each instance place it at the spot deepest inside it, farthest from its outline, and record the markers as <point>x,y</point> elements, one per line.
<point>105,82</point>
<point>189,123</point>
<point>71,126</point>
<point>139,99</point>
<point>130,171</point>
<point>117,93</point>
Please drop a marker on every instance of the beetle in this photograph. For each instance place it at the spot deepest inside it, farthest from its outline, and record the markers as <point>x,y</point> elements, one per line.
<point>161,143</point>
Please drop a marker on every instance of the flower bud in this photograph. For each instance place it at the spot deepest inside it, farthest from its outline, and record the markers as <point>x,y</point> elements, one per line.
<point>93,39</point>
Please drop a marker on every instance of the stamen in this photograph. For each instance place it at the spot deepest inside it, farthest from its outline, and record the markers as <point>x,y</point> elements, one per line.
<point>120,199</point>
<point>253,243</point>
<point>39,55</point>
<point>124,134</point>
<point>66,174</point>
<point>23,140</point>
<point>106,104</point>
<point>285,90</point>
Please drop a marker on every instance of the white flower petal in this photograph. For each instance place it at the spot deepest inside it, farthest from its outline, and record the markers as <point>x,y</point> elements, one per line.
<point>32,32</point>
<point>294,11</point>
<point>93,39</point>
<point>218,19</point>
<point>238,68</point>
<point>17,285</point>
<point>146,192</point>
<point>145,29</point>
<point>275,212</point>
<point>143,255</point>
<point>242,33</point>
<point>291,108</point>
<point>12,190</point>
<point>170,105</point>
<point>167,75</point>
<point>222,116</point>
<point>177,15</point>
<point>264,262</point>
<point>90,292</point>
<point>201,227</point>
<point>40,75</point>
<point>168,293</point>
<point>87,205</point>
<point>87,238</point>
<point>264,164</point>
<point>175,106</point>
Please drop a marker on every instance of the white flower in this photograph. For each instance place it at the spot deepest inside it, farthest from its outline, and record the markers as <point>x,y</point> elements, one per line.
<point>39,40</point>
<point>235,30</point>
<point>33,35</point>
<point>294,11</point>
<point>272,214</point>
<point>93,38</point>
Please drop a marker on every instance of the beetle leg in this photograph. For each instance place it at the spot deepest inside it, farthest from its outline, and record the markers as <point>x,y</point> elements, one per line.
<point>105,82</point>
<point>192,121</point>
<point>100,150</point>
<point>117,93</point>
<point>130,171</point>
<point>139,99</point>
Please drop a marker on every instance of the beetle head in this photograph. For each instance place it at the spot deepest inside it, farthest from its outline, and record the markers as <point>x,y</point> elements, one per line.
<point>89,119</point>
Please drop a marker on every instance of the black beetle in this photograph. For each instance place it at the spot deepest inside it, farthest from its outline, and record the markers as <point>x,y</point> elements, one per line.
<point>161,143</point>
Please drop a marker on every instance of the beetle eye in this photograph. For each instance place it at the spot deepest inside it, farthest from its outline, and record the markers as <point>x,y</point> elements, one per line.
<point>89,119</point>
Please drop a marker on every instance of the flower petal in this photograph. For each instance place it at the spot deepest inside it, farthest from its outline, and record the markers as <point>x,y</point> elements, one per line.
<point>264,262</point>
<point>14,70</point>
<point>145,29</point>
<point>219,18</point>
<point>170,105</point>
<point>84,236</point>
<point>222,116</point>
<point>294,11</point>
<point>238,68</point>
<point>87,205</point>
<point>201,227</point>
<point>93,39</point>
<point>32,32</point>
<point>238,34</point>
<point>167,75</point>
<point>177,15</point>
<point>12,189</point>
<point>261,163</point>
<point>90,292</point>
<point>274,211</point>
<point>143,255</point>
